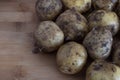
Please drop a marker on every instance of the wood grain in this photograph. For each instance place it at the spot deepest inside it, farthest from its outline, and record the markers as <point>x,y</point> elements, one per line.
<point>18,21</point>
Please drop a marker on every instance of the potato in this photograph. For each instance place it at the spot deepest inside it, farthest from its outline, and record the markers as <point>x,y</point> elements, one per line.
<point>71,58</point>
<point>48,9</point>
<point>105,19</point>
<point>102,70</point>
<point>98,43</point>
<point>73,24</point>
<point>79,5</point>
<point>49,36</point>
<point>104,4</point>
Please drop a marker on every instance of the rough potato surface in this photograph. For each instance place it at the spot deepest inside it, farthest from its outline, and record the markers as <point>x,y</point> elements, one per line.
<point>73,24</point>
<point>104,4</point>
<point>98,43</point>
<point>105,19</point>
<point>79,5</point>
<point>48,9</point>
<point>71,58</point>
<point>49,36</point>
<point>102,70</point>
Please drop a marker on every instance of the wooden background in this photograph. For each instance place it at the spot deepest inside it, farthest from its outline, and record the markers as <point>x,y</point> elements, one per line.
<point>17,62</point>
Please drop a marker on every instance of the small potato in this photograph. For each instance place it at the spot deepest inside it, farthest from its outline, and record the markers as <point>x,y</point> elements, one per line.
<point>104,4</point>
<point>49,36</point>
<point>79,5</point>
<point>98,43</point>
<point>102,70</point>
<point>105,19</point>
<point>71,58</point>
<point>48,9</point>
<point>73,24</point>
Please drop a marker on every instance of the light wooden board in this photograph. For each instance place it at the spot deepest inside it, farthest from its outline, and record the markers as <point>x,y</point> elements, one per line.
<point>18,21</point>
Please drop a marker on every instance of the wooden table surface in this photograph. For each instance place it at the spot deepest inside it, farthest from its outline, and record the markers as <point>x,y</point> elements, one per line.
<point>18,21</point>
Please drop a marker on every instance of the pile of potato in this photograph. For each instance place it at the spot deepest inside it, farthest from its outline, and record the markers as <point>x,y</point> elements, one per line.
<point>80,30</point>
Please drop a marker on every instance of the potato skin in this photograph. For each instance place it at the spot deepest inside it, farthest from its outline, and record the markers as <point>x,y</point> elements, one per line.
<point>73,24</point>
<point>98,43</point>
<point>48,9</point>
<point>102,70</point>
<point>105,19</point>
<point>71,58</point>
<point>49,36</point>
<point>104,4</point>
<point>79,5</point>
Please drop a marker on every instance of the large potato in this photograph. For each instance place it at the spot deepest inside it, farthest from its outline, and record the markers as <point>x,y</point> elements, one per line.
<point>48,9</point>
<point>104,4</point>
<point>98,43</point>
<point>73,24</point>
<point>102,70</point>
<point>49,36</point>
<point>71,58</point>
<point>79,5</point>
<point>105,19</point>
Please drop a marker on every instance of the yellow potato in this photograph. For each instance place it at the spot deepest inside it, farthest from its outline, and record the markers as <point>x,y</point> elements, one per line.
<point>98,43</point>
<point>105,19</point>
<point>48,9</point>
<point>104,4</point>
<point>80,5</point>
<point>71,58</point>
<point>102,70</point>
<point>49,36</point>
<point>73,24</point>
